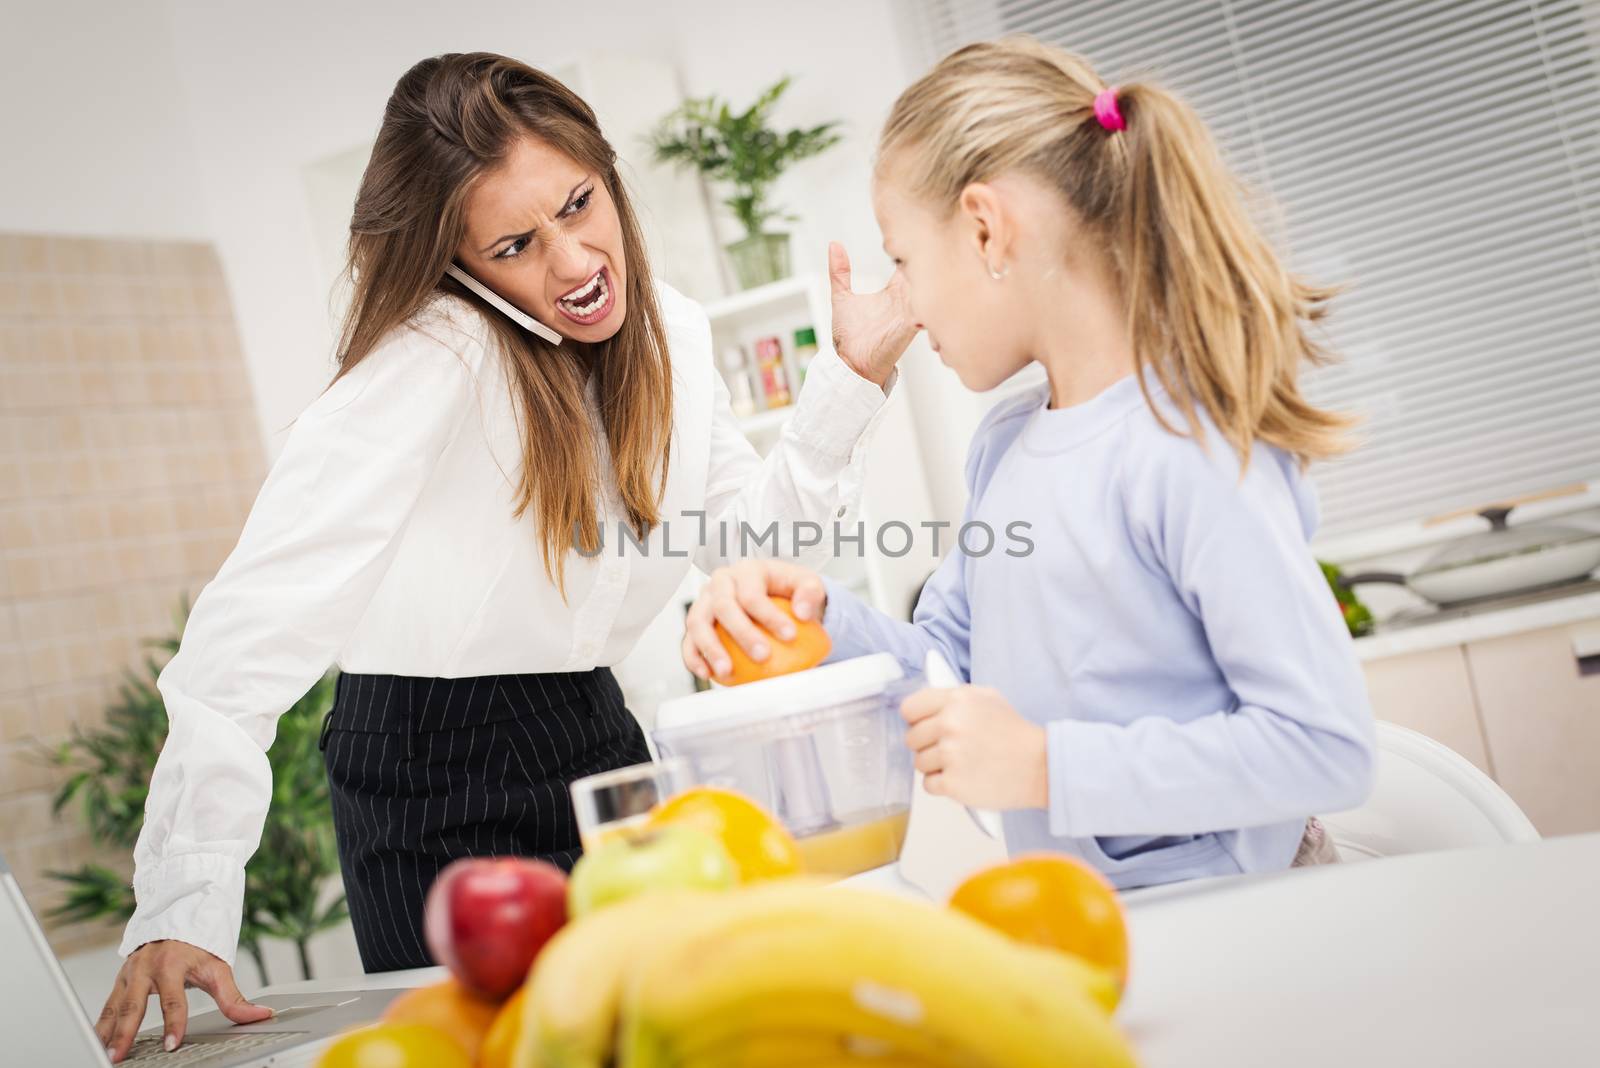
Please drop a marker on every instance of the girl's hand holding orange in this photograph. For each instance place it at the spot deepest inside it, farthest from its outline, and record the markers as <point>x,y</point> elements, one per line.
<point>756,619</point>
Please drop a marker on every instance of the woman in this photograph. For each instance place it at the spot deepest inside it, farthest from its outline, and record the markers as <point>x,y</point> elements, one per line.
<point>443,524</point>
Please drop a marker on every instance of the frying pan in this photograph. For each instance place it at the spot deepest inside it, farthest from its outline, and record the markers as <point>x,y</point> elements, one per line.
<point>1500,561</point>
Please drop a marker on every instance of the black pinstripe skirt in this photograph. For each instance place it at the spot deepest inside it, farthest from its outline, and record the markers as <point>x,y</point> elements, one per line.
<point>424,771</point>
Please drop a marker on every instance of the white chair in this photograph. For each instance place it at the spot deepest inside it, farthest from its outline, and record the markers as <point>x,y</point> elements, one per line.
<point>1427,797</point>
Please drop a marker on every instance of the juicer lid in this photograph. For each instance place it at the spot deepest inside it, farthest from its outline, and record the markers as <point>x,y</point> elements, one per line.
<point>802,691</point>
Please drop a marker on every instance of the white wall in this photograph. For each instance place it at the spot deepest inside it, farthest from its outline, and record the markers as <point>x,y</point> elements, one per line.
<point>198,119</point>
<point>273,88</point>
<point>262,113</point>
<point>95,134</point>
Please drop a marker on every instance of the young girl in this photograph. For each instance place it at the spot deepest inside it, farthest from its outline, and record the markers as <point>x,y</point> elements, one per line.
<point>1162,685</point>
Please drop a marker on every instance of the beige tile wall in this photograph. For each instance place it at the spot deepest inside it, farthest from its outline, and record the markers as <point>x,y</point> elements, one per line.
<point>129,456</point>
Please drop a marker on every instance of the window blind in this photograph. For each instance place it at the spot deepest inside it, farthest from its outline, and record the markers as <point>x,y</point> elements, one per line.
<point>1440,158</point>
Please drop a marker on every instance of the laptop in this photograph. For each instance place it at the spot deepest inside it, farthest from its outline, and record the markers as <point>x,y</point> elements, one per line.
<point>45,1024</point>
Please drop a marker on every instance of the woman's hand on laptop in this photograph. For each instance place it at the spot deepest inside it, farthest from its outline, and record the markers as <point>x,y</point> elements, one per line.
<point>740,598</point>
<point>166,969</point>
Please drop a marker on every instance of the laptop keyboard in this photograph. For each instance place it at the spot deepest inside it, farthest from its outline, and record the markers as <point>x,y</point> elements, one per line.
<point>202,1048</point>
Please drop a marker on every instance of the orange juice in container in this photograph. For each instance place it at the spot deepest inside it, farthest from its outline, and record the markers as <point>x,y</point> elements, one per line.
<point>822,749</point>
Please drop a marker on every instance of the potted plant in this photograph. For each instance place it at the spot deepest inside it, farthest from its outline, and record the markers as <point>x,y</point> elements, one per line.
<point>743,150</point>
<point>111,767</point>
<point>1357,616</point>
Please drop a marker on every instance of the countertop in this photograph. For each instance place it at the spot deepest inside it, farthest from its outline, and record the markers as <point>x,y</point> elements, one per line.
<point>1473,957</point>
<point>1553,608</point>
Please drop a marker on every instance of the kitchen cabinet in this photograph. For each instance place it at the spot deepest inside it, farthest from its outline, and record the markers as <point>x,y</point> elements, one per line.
<point>1431,692</point>
<point>1541,717</point>
<point>1517,702</point>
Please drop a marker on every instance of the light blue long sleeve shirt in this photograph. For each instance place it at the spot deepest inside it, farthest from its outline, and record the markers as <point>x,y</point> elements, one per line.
<point>1170,630</point>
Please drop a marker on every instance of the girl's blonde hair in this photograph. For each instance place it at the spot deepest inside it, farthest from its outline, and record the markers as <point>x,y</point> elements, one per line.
<point>1211,309</point>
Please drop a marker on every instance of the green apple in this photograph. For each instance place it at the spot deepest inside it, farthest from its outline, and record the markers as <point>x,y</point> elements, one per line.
<point>663,857</point>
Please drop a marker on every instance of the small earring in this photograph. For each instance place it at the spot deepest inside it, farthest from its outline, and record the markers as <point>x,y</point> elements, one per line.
<point>1001,273</point>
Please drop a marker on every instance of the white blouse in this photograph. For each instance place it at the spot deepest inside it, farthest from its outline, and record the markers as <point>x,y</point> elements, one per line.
<point>382,541</point>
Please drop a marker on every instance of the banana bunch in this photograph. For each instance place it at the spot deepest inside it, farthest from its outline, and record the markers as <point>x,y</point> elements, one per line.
<point>575,993</point>
<point>796,973</point>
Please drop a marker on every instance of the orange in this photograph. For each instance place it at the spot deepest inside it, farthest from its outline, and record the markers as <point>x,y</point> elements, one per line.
<point>1051,901</point>
<point>808,648</point>
<point>761,847</point>
<point>501,1044</point>
<point>395,1045</point>
<point>448,1007</point>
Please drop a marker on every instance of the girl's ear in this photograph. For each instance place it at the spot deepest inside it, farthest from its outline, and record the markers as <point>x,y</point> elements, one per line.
<point>987,226</point>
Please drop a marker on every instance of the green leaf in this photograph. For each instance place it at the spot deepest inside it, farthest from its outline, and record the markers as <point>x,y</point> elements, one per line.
<point>1357,616</point>
<point>740,149</point>
<point>111,766</point>
<point>94,892</point>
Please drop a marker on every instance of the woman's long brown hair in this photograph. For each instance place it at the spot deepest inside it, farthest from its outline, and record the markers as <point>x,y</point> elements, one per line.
<point>450,119</point>
<point>1211,309</point>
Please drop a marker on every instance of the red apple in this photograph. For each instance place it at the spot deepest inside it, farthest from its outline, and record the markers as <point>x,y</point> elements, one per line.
<point>487,919</point>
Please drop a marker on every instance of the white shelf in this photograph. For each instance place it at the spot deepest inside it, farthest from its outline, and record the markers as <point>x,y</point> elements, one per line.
<point>765,422</point>
<point>784,291</point>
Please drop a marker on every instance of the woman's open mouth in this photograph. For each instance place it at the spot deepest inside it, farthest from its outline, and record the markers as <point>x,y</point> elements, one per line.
<point>590,302</point>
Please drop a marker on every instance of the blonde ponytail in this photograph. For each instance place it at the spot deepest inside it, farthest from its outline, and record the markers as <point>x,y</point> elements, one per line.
<point>1212,311</point>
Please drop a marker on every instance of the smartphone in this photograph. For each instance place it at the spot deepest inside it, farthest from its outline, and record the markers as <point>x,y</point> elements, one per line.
<point>518,316</point>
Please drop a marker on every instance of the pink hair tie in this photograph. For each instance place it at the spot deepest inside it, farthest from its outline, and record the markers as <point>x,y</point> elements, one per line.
<point>1105,109</point>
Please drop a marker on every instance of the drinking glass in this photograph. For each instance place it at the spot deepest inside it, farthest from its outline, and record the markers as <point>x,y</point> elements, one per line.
<point>612,801</point>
